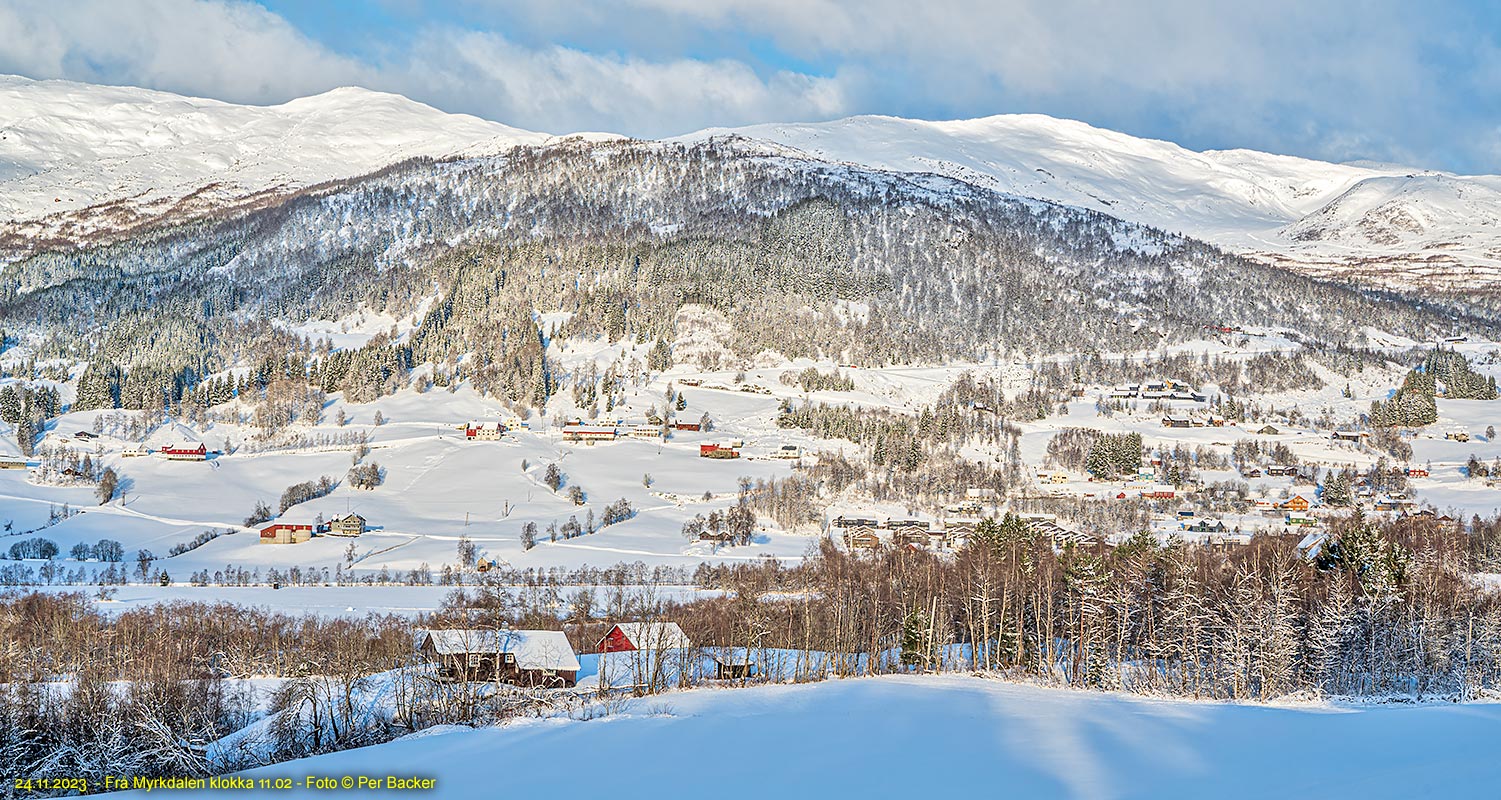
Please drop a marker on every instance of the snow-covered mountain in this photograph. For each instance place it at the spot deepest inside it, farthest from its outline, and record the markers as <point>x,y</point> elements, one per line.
<point>79,160</point>
<point>1294,211</point>
<point>75,157</point>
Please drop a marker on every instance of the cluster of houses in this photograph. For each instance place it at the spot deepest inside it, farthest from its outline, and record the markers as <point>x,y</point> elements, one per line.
<point>1193,421</point>
<point>610,431</point>
<point>870,533</point>
<point>546,659</point>
<point>1159,390</point>
<point>298,532</point>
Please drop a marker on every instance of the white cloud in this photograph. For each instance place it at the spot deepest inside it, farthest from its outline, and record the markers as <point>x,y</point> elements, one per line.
<point>230,51</point>
<point>1378,79</point>
<point>562,89</point>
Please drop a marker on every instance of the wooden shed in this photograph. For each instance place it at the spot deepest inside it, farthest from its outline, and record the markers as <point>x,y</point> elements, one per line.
<point>522,658</point>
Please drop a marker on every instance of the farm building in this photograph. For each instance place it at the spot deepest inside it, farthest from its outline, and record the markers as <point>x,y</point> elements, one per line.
<point>1417,472</point>
<point>627,636</point>
<point>589,433</point>
<point>1176,422</point>
<point>186,452</point>
<point>523,658</point>
<point>286,533</point>
<point>10,463</point>
<point>134,451</point>
<point>687,426</point>
<point>484,431</point>
<point>1267,430</point>
<point>717,451</point>
<point>788,451</point>
<point>1348,436</point>
<point>733,663</point>
<point>1280,471</point>
<point>645,430</point>
<point>348,525</point>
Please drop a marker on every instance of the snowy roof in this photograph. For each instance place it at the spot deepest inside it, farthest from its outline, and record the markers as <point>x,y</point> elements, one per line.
<point>533,649</point>
<point>655,635</point>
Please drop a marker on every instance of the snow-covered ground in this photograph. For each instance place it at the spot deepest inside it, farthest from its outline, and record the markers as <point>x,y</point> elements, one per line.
<point>921,736</point>
<point>439,488</point>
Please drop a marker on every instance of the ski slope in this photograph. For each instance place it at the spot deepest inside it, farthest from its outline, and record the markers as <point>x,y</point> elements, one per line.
<point>922,736</point>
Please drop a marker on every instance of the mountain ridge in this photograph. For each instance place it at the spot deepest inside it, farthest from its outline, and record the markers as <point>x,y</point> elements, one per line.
<point>81,160</point>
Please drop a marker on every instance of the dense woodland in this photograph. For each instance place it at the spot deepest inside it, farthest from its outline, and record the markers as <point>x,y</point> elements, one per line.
<point>801,258</point>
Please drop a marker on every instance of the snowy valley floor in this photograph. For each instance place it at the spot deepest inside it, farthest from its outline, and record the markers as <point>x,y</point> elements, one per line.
<point>924,736</point>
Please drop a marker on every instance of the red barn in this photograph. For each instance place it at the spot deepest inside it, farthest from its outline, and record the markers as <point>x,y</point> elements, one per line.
<point>687,426</point>
<point>628,636</point>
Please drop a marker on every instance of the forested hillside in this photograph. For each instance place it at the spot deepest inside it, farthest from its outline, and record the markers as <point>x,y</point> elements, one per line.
<point>797,257</point>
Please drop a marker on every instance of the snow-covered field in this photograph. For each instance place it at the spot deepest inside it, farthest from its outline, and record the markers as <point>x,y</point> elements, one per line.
<point>926,736</point>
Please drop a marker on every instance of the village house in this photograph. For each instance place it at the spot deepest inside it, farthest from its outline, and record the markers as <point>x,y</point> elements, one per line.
<point>862,538</point>
<point>1159,492</point>
<point>1296,503</point>
<point>134,451</point>
<point>630,636</point>
<point>1417,472</point>
<point>186,452</point>
<point>687,426</point>
<point>1281,471</point>
<point>10,463</point>
<point>348,525</point>
<point>788,451</point>
<point>1312,544</point>
<point>589,433</point>
<point>1176,422</point>
<point>842,521</point>
<point>521,658</point>
<point>1349,436</point>
<point>1206,525</point>
<point>1267,430</point>
<point>286,533</point>
<point>1457,436</point>
<point>1254,472</point>
<point>1299,520</point>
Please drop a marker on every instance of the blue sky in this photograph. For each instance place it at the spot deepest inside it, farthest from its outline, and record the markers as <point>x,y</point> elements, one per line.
<point>1390,80</point>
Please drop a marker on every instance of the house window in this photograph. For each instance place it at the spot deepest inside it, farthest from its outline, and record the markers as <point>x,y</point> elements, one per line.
<point>474,660</point>
<point>510,658</point>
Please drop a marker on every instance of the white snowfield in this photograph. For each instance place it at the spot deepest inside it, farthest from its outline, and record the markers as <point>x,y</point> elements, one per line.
<point>924,736</point>
<point>67,146</point>
<point>1283,209</point>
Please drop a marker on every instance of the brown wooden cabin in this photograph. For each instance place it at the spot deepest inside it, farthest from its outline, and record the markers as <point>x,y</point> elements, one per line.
<point>520,658</point>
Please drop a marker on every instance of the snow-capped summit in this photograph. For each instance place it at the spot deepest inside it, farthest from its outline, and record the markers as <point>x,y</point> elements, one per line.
<point>1291,210</point>
<point>68,146</point>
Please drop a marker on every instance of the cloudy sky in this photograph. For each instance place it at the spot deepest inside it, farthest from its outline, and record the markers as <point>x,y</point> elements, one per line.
<point>1390,80</point>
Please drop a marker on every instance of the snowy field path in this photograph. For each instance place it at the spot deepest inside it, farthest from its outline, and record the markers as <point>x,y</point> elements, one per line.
<point>951,736</point>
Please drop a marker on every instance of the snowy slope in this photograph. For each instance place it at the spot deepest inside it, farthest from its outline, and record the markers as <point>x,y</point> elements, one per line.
<point>945,736</point>
<point>1291,210</point>
<point>67,146</point>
